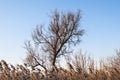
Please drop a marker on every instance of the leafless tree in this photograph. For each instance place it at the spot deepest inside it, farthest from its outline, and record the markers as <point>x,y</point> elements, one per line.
<point>33,59</point>
<point>115,60</point>
<point>63,31</point>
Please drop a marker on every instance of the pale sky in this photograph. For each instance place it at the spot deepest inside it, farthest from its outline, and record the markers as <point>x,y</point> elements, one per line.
<point>18,18</point>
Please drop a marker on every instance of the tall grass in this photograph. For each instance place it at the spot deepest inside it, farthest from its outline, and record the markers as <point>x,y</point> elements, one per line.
<point>81,67</point>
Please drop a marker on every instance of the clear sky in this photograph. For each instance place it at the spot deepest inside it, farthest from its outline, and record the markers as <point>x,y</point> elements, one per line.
<point>18,18</point>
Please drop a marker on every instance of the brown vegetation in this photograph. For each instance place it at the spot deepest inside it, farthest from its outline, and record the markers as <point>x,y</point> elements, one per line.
<point>80,67</point>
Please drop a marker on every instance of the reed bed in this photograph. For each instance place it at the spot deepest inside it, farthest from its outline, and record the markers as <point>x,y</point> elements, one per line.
<point>79,68</point>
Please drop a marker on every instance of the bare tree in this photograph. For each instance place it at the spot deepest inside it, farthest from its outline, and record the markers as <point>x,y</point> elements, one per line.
<point>115,60</point>
<point>63,30</point>
<point>33,59</point>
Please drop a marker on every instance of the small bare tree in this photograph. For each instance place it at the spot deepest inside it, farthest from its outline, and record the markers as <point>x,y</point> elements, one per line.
<point>63,30</point>
<point>115,60</point>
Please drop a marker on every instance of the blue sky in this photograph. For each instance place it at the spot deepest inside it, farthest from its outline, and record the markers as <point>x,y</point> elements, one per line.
<point>18,18</point>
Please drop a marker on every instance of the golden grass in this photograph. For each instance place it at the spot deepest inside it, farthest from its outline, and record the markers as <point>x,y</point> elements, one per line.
<point>79,68</point>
